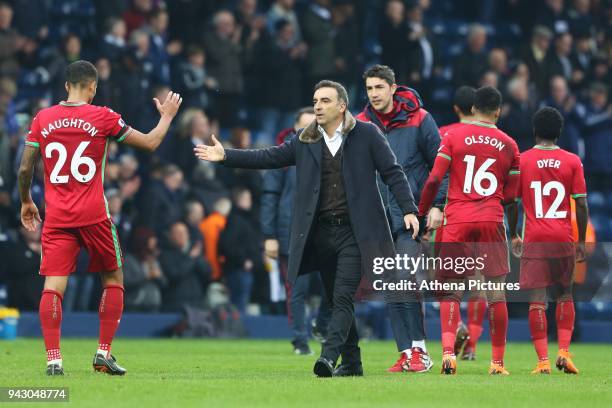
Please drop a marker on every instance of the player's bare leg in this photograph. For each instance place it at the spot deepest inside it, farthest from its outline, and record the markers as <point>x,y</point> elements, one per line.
<point>449,319</point>
<point>565,315</point>
<point>538,326</point>
<point>498,325</point>
<point>50,313</point>
<point>109,312</point>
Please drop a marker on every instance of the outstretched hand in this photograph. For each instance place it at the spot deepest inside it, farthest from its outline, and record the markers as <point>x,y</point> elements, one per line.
<point>170,106</point>
<point>214,153</point>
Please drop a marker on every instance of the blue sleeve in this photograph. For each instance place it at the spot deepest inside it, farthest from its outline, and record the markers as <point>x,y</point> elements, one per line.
<point>273,182</point>
<point>274,157</point>
<point>429,143</point>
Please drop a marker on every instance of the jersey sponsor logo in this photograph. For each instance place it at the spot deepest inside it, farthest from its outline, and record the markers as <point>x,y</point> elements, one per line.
<point>481,139</point>
<point>121,123</point>
<point>69,123</point>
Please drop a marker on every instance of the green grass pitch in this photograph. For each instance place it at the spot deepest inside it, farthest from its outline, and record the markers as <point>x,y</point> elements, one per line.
<point>264,373</point>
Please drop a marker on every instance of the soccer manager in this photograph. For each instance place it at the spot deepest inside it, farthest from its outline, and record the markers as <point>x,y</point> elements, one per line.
<point>339,223</point>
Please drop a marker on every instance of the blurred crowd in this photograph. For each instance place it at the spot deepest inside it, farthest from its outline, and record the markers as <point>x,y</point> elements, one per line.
<point>244,67</point>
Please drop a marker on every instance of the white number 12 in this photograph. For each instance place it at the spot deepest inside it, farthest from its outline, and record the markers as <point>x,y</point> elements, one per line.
<point>546,191</point>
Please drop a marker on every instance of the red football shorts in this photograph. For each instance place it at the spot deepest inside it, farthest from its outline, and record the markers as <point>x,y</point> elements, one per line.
<point>61,246</point>
<point>539,273</point>
<point>468,246</point>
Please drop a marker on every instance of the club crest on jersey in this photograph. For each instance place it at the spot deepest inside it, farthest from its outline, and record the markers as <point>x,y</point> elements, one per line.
<point>69,123</point>
<point>481,139</point>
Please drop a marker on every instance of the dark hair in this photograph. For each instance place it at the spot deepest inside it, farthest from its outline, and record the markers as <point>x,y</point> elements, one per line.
<point>380,71</point>
<point>303,111</point>
<point>326,83</point>
<point>464,99</point>
<point>547,123</point>
<point>81,73</point>
<point>193,50</point>
<point>487,99</point>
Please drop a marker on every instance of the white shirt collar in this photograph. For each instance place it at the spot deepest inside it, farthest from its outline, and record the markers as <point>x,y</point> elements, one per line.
<point>337,132</point>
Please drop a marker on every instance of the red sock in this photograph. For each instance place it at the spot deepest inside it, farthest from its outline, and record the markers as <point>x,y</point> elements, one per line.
<point>449,318</point>
<point>111,307</point>
<point>50,312</point>
<point>498,326</point>
<point>538,326</point>
<point>476,313</point>
<point>565,315</point>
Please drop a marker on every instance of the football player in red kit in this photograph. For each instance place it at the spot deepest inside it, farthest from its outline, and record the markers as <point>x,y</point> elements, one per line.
<point>484,164</point>
<point>467,336</point>
<point>549,177</point>
<point>72,138</point>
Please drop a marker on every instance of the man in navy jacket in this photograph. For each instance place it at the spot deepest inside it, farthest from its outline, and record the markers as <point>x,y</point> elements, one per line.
<point>413,136</point>
<point>339,226</point>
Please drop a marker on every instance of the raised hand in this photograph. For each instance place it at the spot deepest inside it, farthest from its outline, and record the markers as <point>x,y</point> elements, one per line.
<point>170,106</point>
<point>214,153</point>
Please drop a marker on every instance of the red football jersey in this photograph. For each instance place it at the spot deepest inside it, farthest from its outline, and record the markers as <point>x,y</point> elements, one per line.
<point>549,176</point>
<point>73,139</point>
<point>482,158</point>
<point>451,127</point>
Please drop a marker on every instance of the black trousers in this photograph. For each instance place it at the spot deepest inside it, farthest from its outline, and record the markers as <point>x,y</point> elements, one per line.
<point>339,260</point>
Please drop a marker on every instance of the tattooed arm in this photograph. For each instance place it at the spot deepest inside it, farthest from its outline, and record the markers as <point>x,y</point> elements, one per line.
<point>30,218</point>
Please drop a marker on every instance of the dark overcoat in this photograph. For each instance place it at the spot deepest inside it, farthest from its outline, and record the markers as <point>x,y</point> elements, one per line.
<point>366,152</point>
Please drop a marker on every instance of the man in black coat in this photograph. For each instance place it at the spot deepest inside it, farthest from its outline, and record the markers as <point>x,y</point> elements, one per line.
<point>339,225</point>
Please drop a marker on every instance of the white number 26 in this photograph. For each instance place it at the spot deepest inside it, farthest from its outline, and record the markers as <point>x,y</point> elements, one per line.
<point>76,161</point>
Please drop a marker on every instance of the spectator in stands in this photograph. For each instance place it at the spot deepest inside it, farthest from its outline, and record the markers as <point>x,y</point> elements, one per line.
<point>282,62</point>
<point>122,220</point>
<point>143,277</point>
<point>193,128</point>
<point>245,178</point>
<point>581,58</point>
<point>222,45</point>
<point>160,49</point>
<point>129,182</point>
<point>565,102</point>
<point>194,215</point>
<point>10,42</point>
<point>187,272</point>
<point>318,34</point>
<point>211,229</point>
<point>241,261</point>
<point>347,46</point>
<point>535,57</point>
<point>553,16</point>
<point>23,258</point>
<point>580,18</point>
<point>601,70</point>
<point>284,10</point>
<point>108,92</point>
<point>421,54</point>
<point>517,114</point>
<point>498,63</point>
<point>597,132</point>
<point>113,42</point>
<point>471,64</point>
<point>163,204</point>
<point>392,35</point>
<point>489,78</point>
<point>558,61</point>
<point>136,16</point>
<point>195,83</point>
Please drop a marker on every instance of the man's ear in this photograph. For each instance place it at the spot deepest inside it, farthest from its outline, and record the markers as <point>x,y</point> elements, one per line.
<point>393,88</point>
<point>67,87</point>
<point>497,113</point>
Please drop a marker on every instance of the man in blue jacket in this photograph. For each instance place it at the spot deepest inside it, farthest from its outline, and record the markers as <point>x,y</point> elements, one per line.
<point>276,208</point>
<point>413,136</point>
